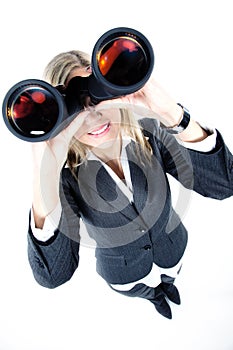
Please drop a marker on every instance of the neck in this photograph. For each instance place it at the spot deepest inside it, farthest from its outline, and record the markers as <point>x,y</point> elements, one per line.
<point>110,155</point>
<point>110,151</point>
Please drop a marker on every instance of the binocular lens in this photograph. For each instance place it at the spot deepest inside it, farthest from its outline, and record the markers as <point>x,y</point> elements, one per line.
<point>32,109</point>
<point>123,61</point>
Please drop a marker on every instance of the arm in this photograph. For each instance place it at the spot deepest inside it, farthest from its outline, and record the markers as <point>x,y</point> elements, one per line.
<point>208,173</point>
<point>154,102</point>
<point>54,261</point>
<point>213,171</point>
<point>48,159</point>
<point>168,111</point>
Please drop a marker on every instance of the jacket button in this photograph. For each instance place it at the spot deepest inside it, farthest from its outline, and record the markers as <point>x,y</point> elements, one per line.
<point>147,247</point>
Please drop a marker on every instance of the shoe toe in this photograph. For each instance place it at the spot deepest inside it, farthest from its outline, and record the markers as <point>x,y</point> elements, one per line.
<point>163,308</point>
<point>172,293</point>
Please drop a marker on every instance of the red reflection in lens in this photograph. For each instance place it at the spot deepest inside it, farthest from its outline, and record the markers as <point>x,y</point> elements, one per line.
<point>108,58</point>
<point>33,111</point>
<point>130,45</point>
<point>23,108</point>
<point>26,103</point>
<point>38,97</point>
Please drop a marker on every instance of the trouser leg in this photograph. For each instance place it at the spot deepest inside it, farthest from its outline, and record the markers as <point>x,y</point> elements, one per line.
<point>167,279</point>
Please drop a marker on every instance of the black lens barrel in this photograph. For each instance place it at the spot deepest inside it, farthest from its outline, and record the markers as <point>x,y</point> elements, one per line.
<point>33,110</point>
<point>130,68</point>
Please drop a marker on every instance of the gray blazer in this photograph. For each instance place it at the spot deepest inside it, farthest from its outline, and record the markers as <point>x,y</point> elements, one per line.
<point>129,237</point>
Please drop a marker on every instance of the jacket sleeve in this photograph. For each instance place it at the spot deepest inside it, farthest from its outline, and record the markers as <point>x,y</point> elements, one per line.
<point>54,262</point>
<point>209,174</point>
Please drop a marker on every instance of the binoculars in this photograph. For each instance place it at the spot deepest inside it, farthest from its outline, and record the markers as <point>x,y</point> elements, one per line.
<point>122,61</point>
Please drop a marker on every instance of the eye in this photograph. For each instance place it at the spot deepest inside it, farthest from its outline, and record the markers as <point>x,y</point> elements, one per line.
<point>99,114</point>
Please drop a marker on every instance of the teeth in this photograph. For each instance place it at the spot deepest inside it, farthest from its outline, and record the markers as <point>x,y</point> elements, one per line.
<point>99,131</point>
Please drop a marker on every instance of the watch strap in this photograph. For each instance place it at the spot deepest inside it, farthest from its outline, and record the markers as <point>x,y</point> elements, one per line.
<point>183,123</point>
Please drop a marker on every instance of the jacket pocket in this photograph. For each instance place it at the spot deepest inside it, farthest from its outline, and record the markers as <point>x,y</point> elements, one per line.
<point>121,269</point>
<point>111,260</point>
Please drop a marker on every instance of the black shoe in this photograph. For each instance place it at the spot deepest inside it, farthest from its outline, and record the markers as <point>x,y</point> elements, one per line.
<point>160,303</point>
<point>164,309</point>
<point>171,292</point>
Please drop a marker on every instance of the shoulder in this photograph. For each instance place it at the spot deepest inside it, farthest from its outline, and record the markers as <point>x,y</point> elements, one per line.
<point>149,126</point>
<point>154,133</point>
<point>67,177</point>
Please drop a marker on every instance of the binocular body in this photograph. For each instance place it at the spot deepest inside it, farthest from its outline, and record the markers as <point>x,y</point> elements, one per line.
<point>122,62</point>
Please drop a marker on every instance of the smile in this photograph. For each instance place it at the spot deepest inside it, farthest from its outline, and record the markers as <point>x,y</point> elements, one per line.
<point>102,130</point>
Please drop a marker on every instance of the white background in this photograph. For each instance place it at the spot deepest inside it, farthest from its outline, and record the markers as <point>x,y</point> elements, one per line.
<point>192,41</point>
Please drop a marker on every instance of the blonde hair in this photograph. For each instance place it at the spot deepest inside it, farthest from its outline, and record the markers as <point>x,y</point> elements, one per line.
<point>59,68</point>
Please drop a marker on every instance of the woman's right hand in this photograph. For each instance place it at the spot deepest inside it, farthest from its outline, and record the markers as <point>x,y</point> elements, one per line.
<point>48,158</point>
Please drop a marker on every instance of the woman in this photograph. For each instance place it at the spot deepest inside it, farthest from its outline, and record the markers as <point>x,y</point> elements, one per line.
<point>109,168</point>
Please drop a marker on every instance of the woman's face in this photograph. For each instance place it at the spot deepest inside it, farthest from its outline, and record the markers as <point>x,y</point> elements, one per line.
<point>100,128</point>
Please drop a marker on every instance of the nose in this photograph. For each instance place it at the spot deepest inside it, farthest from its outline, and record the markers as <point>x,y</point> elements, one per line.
<point>93,116</point>
<point>89,69</point>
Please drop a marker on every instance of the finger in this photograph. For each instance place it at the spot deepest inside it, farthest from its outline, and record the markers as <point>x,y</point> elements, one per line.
<point>140,109</point>
<point>75,124</point>
<point>115,103</point>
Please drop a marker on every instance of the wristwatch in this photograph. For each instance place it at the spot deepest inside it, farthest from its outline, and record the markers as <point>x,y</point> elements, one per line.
<point>182,125</point>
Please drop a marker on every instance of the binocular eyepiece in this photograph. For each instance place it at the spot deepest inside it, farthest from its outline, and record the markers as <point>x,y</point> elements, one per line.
<point>122,62</point>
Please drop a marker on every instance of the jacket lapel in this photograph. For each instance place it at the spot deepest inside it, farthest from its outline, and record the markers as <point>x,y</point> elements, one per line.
<point>98,186</point>
<point>138,178</point>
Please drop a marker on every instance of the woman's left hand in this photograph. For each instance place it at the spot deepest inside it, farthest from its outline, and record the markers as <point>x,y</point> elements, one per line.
<point>152,98</point>
<point>154,102</point>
